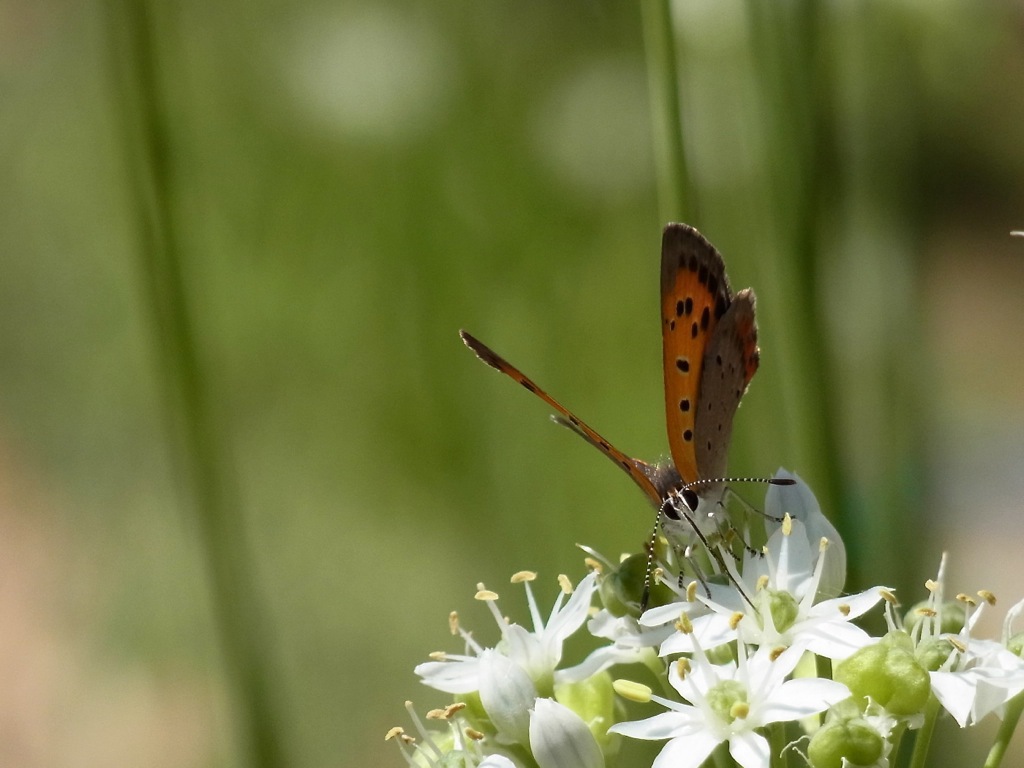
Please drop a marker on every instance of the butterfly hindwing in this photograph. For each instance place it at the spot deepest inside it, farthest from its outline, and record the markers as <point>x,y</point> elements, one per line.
<point>730,362</point>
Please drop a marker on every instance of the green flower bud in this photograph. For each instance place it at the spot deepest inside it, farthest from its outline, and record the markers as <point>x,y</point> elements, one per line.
<point>851,738</point>
<point>784,609</point>
<point>953,616</point>
<point>888,673</point>
<point>622,589</point>
<point>722,654</point>
<point>594,701</point>
<point>933,652</point>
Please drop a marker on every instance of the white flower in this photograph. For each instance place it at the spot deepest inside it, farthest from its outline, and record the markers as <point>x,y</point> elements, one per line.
<point>980,676</point>
<point>510,676</point>
<point>776,605</point>
<point>728,703</point>
<point>560,739</point>
<point>436,749</point>
<point>537,653</point>
<point>799,503</point>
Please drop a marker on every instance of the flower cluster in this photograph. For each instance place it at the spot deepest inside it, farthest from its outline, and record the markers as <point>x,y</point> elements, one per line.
<point>759,641</point>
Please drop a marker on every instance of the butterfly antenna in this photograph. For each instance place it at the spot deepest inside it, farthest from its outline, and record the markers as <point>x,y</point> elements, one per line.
<point>645,598</point>
<point>720,480</point>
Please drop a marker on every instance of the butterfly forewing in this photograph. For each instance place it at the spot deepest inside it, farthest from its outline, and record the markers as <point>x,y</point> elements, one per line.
<point>695,295</point>
<point>636,469</point>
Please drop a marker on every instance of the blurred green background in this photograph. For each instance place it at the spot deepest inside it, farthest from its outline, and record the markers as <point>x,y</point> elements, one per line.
<point>352,183</point>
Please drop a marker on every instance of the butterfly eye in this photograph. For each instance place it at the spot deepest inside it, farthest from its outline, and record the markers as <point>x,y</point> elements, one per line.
<point>668,509</point>
<point>690,499</point>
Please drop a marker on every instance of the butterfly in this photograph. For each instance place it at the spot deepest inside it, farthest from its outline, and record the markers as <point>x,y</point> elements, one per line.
<point>709,356</point>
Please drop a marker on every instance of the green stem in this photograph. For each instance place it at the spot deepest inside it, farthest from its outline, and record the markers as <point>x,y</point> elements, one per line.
<point>1011,717</point>
<point>721,758</point>
<point>677,200</point>
<point>895,737</point>
<point>200,449</point>
<point>823,667</point>
<point>777,745</point>
<point>923,738</point>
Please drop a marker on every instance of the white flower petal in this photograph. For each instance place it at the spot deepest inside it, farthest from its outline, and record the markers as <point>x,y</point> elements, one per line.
<point>799,698</point>
<point>690,752</point>
<point>799,502</point>
<point>459,674</point>
<point>523,647</point>
<point>571,616</point>
<point>955,693</point>
<point>710,631</point>
<point>560,739</point>
<point>497,761</point>
<point>600,660</point>
<point>665,725</point>
<point>507,695</point>
<point>852,606</point>
<point>664,614</point>
<point>625,631</point>
<point>835,640</point>
<point>749,749</point>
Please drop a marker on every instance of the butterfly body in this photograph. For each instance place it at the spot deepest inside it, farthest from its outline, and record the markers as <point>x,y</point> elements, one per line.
<point>710,353</point>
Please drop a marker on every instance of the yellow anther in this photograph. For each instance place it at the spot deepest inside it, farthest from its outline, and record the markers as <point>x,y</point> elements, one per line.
<point>452,709</point>
<point>628,689</point>
<point>683,668</point>
<point>683,624</point>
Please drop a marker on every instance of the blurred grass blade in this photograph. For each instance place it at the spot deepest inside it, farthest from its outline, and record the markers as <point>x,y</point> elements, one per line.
<point>200,449</point>
<point>677,199</point>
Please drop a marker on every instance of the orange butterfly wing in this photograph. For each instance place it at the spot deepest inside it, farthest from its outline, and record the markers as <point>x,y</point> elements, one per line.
<point>710,353</point>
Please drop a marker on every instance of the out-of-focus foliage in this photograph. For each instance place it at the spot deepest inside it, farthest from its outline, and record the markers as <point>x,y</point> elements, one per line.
<point>358,181</point>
